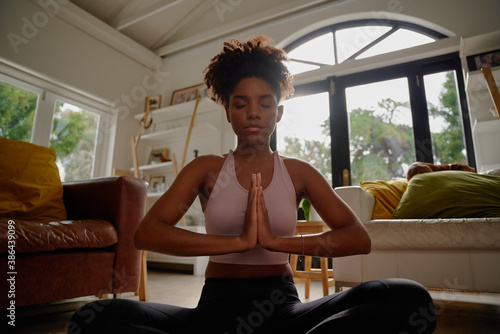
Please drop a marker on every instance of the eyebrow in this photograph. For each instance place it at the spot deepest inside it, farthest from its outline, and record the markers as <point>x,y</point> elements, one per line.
<point>266,96</point>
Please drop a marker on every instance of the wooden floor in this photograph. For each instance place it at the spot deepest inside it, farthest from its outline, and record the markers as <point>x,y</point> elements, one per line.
<point>458,313</point>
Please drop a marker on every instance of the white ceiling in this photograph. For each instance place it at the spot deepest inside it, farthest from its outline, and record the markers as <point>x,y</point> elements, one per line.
<point>168,26</point>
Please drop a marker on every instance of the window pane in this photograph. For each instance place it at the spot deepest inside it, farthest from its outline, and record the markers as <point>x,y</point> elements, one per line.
<point>74,133</point>
<point>304,131</point>
<point>380,130</point>
<point>351,40</point>
<point>17,112</point>
<point>401,39</point>
<point>444,118</point>
<point>296,67</point>
<point>318,50</point>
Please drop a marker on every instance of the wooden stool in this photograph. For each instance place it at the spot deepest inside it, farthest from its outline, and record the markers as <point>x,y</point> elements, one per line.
<point>324,274</point>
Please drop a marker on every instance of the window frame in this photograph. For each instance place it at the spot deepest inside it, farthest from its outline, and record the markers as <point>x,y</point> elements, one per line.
<point>44,117</point>
<point>415,71</point>
<point>394,24</point>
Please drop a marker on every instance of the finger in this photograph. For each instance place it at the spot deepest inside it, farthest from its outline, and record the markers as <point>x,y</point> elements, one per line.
<point>251,192</point>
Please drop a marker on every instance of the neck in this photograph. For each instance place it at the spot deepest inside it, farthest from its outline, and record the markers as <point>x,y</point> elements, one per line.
<point>252,151</point>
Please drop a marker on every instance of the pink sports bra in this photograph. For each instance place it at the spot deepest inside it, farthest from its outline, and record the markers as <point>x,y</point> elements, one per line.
<point>226,206</point>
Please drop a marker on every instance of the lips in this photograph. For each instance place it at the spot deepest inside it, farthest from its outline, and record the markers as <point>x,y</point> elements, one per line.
<point>253,127</point>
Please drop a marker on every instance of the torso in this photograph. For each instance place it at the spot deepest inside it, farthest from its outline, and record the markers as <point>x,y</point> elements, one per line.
<point>244,169</point>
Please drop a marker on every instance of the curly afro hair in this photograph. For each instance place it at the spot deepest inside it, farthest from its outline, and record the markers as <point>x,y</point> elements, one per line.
<point>240,60</point>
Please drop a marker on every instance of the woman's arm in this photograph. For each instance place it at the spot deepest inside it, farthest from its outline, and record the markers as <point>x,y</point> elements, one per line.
<point>347,235</point>
<point>157,232</point>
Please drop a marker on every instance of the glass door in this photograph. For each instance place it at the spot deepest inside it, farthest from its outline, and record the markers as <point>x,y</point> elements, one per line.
<point>304,131</point>
<point>381,141</point>
<point>447,128</point>
<point>384,120</point>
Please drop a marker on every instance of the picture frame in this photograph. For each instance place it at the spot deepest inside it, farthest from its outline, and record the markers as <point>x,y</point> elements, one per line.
<point>158,155</point>
<point>485,59</point>
<point>155,181</point>
<point>186,94</point>
<point>154,101</point>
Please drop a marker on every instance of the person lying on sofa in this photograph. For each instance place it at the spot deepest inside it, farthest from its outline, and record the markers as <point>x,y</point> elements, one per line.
<point>250,199</point>
<point>425,167</point>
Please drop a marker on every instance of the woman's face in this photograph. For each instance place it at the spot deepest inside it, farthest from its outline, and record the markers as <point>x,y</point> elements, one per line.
<point>253,110</point>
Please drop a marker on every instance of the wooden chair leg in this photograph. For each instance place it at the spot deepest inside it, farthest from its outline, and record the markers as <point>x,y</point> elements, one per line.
<point>307,268</point>
<point>293,262</point>
<point>143,285</point>
<point>324,275</point>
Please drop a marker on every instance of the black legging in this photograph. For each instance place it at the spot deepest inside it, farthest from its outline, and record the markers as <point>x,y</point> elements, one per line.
<point>268,305</point>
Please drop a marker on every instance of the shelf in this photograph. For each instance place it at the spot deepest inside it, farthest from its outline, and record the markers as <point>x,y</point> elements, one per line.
<point>180,133</point>
<point>153,167</point>
<point>489,167</point>
<point>487,126</point>
<point>477,82</point>
<point>181,110</point>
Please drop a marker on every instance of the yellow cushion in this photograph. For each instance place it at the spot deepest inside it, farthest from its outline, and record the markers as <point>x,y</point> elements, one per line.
<point>30,186</point>
<point>387,196</point>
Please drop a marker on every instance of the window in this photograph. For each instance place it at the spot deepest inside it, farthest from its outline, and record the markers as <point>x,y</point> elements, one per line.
<point>381,143</point>
<point>73,137</point>
<point>73,129</point>
<point>17,112</point>
<point>354,40</point>
<point>414,116</point>
<point>379,121</point>
<point>448,144</point>
<point>304,132</point>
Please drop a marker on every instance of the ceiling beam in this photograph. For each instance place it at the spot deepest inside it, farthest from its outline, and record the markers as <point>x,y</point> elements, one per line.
<point>122,20</point>
<point>197,10</point>
<point>242,24</point>
<point>96,28</point>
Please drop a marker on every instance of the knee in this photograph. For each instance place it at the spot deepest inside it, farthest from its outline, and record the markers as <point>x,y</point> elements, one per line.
<point>93,317</point>
<point>417,302</point>
<point>407,291</point>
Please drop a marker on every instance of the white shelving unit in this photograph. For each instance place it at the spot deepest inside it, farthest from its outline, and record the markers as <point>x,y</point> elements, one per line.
<point>486,139</point>
<point>484,117</point>
<point>211,134</point>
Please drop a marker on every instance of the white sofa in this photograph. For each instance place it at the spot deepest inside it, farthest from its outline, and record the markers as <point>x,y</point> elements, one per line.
<point>460,254</point>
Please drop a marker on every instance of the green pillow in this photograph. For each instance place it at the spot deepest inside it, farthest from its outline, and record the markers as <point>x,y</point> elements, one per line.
<point>450,194</point>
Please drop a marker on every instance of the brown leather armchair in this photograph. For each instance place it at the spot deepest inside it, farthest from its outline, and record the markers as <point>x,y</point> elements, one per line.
<point>91,253</point>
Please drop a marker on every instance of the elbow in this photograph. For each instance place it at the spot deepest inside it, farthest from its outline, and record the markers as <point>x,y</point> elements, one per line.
<point>365,243</point>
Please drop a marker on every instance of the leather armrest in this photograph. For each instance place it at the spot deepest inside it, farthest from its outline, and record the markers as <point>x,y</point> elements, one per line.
<point>359,200</point>
<point>121,200</point>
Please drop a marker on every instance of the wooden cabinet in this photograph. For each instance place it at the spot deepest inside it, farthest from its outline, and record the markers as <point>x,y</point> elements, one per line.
<point>211,134</point>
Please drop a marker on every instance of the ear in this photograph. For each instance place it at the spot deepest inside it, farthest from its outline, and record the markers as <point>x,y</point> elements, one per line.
<point>281,108</point>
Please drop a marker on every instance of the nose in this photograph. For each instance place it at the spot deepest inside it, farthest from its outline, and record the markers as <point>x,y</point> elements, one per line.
<point>253,111</point>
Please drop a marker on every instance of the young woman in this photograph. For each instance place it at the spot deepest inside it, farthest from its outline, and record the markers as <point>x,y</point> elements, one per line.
<point>250,198</point>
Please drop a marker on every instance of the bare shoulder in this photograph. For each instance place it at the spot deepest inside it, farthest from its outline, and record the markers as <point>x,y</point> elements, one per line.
<point>294,165</point>
<point>302,173</point>
<point>205,164</point>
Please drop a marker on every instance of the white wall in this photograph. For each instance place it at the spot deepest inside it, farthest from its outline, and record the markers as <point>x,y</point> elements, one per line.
<point>67,55</point>
<point>454,18</point>
<point>35,42</point>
